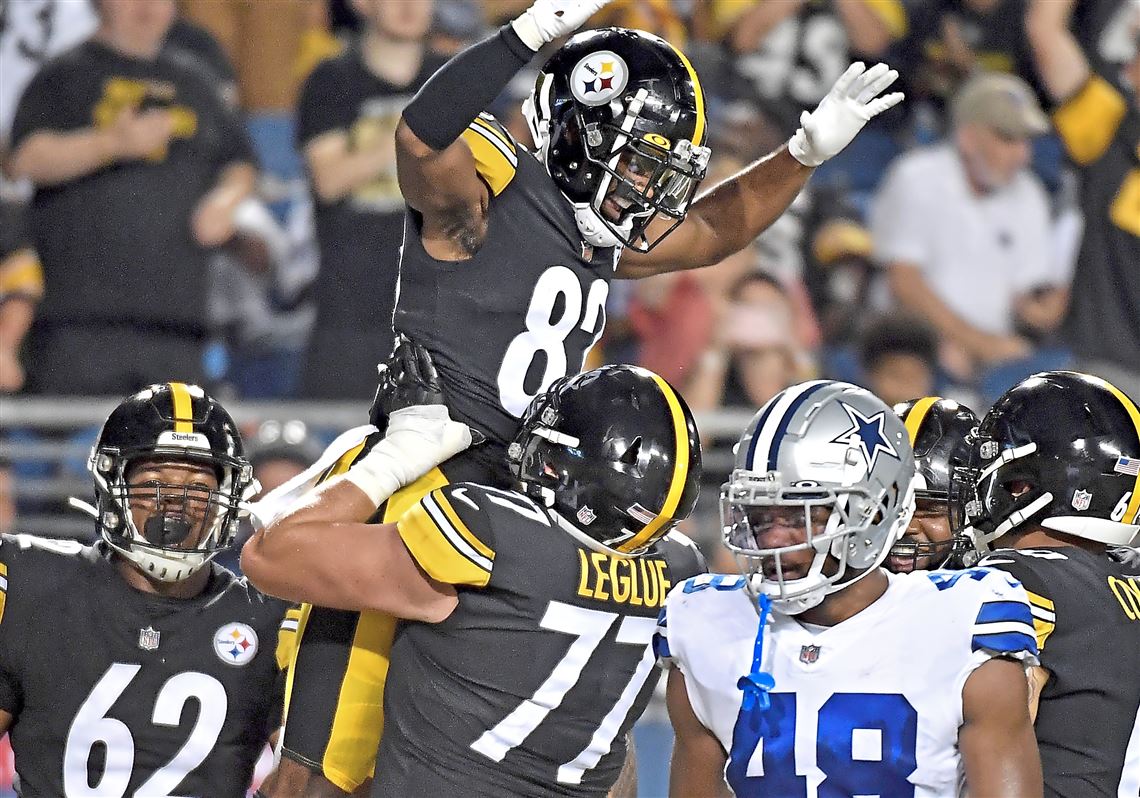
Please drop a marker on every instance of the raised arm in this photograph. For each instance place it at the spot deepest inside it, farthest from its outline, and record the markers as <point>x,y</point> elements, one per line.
<point>999,750</point>
<point>436,168</point>
<point>1061,65</point>
<point>727,218</point>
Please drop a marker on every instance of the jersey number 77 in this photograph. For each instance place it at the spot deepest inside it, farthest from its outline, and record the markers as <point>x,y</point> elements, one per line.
<point>588,627</point>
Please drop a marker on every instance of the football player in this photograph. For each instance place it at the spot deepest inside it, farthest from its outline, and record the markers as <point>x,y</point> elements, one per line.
<point>819,673</point>
<point>530,611</point>
<point>937,429</point>
<point>1059,483</point>
<point>505,270</point>
<point>137,666</point>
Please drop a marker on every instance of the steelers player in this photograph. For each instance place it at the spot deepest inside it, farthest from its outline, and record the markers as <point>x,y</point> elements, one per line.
<point>505,269</point>
<point>1059,482</point>
<point>137,666</point>
<point>938,430</point>
<point>530,611</point>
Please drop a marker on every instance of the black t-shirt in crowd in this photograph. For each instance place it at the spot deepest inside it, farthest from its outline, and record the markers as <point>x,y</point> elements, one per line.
<point>117,244</point>
<point>359,235</point>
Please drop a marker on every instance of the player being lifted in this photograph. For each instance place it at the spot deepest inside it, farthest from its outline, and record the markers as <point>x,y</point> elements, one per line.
<point>818,673</point>
<point>532,610</point>
<point>136,666</point>
<point>505,270</point>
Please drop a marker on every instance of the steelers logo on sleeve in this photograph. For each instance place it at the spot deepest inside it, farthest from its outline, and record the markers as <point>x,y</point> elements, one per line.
<point>235,643</point>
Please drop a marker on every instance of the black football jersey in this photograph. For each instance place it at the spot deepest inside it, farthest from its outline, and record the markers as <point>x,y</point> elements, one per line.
<point>531,684</point>
<point>523,311</point>
<point>1086,611</point>
<point>114,692</point>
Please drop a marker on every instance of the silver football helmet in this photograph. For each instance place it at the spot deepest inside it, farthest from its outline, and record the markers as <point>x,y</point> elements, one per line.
<point>824,467</point>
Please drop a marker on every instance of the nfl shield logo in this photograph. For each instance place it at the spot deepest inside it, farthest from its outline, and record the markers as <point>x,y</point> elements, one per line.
<point>1081,500</point>
<point>809,654</point>
<point>148,638</point>
<point>586,515</point>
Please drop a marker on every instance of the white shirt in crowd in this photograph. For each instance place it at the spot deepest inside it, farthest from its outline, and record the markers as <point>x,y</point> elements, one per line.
<point>977,253</point>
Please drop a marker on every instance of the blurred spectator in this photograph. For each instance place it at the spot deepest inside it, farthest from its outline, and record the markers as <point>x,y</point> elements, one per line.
<point>260,286</point>
<point>278,451</point>
<point>456,24</point>
<point>138,168</point>
<point>964,231</point>
<point>659,17</point>
<point>899,357</point>
<point>842,250</point>
<point>791,52</point>
<point>7,500</point>
<point>1100,127</point>
<point>21,288</point>
<point>755,355</point>
<point>274,45</point>
<point>672,319</point>
<point>195,41</point>
<point>31,33</point>
<point>347,117</point>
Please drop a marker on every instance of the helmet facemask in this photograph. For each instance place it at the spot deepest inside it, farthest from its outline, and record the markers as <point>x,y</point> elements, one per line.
<point>175,513</point>
<point>848,529</point>
<point>620,161</point>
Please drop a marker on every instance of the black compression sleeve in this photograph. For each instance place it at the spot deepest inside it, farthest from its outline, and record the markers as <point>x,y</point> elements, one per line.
<point>465,86</point>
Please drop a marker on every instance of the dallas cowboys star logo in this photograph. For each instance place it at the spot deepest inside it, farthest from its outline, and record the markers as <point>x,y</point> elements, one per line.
<point>868,431</point>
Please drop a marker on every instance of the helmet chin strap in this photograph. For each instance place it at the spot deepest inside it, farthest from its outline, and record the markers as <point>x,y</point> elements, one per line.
<point>595,232</point>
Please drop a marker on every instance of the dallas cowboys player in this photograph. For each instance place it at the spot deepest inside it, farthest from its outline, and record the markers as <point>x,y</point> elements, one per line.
<point>817,672</point>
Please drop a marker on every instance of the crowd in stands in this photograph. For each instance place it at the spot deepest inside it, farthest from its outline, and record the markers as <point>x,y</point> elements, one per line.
<point>226,203</point>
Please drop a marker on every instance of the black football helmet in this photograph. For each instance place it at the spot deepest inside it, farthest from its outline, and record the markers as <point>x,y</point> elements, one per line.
<point>1060,450</point>
<point>169,422</point>
<point>618,117</point>
<point>614,452</point>
<point>941,434</point>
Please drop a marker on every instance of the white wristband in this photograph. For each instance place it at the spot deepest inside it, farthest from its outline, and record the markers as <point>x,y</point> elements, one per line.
<point>527,30</point>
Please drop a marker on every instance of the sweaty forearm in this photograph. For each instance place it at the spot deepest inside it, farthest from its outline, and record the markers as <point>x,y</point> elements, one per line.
<point>744,206</point>
<point>48,158</point>
<point>464,87</point>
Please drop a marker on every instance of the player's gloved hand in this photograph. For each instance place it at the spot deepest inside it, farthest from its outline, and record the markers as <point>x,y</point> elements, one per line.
<point>547,20</point>
<point>850,104</point>
<point>1125,555</point>
<point>420,433</point>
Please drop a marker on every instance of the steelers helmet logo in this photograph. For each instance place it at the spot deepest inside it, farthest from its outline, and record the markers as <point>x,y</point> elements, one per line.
<point>235,643</point>
<point>598,78</point>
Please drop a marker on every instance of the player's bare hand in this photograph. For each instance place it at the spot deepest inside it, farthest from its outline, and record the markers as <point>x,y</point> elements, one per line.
<point>213,221</point>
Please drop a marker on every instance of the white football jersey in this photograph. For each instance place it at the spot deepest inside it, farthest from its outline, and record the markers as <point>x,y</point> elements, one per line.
<point>869,707</point>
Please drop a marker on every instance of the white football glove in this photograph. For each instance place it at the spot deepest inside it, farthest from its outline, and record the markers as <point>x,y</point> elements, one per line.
<point>547,20</point>
<point>843,112</point>
<point>417,440</point>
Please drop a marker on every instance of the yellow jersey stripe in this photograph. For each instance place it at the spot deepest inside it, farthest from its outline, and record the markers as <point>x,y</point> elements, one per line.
<point>343,463</point>
<point>1088,121</point>
<point>917,415</point>
<point>699,94</point>
<point>21,274</point>
<point>406,498</point>
<point>3,589</point>
<point>1041,626</point>
<point>183,407</point>
<point>493,161</point>
<point>483,123</point>
<point>680,472</point>
<point>437,552</point>
<point>351,751</point>
<point>462,529</point>
<point>1133,510</point>
<point>287,637</point>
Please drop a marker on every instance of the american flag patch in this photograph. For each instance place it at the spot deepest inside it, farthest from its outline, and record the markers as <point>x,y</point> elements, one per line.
<point>1127,465</point>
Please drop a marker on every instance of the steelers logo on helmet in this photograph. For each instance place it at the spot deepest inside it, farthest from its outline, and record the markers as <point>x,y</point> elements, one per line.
<point>598,78</point>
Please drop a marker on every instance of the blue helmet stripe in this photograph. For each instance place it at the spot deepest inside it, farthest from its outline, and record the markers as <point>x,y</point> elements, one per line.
<point>774,450</point>
<point>775,400</point>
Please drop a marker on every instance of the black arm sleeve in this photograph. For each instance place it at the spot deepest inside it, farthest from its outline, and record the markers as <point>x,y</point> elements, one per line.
<point>465,86</point>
